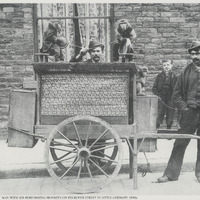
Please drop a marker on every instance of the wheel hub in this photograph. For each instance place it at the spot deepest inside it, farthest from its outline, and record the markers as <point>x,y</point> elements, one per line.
<point>84,153</point>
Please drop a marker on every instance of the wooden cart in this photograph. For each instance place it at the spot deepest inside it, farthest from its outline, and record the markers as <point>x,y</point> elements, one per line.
<point>83,111</point>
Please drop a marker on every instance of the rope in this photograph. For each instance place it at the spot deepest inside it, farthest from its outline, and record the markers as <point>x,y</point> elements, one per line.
<point>168,106</point>
<point>147,168</point>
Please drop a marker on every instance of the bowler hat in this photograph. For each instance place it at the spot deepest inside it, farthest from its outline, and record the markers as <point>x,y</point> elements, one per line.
<point>195,45</point>
<point>94,43</point>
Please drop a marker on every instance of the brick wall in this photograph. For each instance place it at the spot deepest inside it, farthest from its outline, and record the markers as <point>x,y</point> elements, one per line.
<point>163,30</point>
<point>16,53</point>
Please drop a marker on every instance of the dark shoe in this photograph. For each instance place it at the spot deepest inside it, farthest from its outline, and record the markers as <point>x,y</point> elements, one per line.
<point>164,179</point>
<point>198,179</point>
<point>169,126</point>
<point>157,126</point>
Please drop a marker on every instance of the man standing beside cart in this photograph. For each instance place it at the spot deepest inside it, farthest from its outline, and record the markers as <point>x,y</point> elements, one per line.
<point>187,99</point>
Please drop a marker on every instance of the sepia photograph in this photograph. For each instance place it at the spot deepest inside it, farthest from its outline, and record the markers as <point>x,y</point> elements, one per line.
<point>99,100</point>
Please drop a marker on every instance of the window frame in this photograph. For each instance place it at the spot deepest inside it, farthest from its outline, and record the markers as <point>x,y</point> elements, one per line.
<point>111,18</point>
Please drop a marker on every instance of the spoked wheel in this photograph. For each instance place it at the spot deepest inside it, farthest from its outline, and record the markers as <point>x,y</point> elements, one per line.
<point>83,149</point>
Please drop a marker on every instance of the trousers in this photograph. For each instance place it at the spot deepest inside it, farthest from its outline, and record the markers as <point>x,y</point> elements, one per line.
<point>163,109</point>
<point>189,124</point>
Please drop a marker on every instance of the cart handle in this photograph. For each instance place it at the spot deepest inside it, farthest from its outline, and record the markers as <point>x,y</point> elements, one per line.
<point>28,133</point>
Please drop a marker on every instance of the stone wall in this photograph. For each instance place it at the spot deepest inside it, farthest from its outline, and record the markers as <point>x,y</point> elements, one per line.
<point>16,53</point>
<point>163,30</point>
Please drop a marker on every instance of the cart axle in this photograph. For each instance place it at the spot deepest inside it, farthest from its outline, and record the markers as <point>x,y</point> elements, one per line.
<point>84,153</point>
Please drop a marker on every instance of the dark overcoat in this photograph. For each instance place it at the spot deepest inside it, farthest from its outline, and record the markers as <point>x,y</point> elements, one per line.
<point>160,80</point>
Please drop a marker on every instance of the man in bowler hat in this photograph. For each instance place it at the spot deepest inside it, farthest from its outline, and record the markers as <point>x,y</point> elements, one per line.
<point>95,50</point>
<point>186,98</point>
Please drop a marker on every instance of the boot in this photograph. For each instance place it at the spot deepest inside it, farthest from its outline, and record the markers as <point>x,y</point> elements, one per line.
<point>164,179</point>
<point>169,126</point>
<point>157,126</point>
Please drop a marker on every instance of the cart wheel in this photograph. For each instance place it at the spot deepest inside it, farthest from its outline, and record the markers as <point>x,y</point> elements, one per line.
<point>84,147</point>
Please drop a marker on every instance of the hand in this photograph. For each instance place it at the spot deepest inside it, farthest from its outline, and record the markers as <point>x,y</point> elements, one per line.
<point>119,38</point>
<point>186,109</point>
<point>83,51</point>
<point>58,42</point>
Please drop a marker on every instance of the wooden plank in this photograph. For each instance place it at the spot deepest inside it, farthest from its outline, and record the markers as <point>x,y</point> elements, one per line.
<point>154,113</point>
<point>175,131</point>
<point>84,67</point>
<point>75,17</point>
<point>112,31</point>
<point>38,100</point>
<point>67,51</point>
<point>107,46</point>
<point>35,31</point>
<point>122,130</point>
<point>87,25</point>
<point>54,120</point>
<point>21,117</point>
<point>146,114</point>
<point>148,145</point>
<point>168,136</point>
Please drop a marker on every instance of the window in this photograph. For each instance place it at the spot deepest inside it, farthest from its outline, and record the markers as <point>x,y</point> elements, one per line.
<point>80,24</point>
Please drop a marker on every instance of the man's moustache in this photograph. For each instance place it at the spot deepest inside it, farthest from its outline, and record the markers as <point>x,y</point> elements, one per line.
<point>196,60</point>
